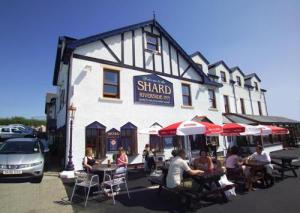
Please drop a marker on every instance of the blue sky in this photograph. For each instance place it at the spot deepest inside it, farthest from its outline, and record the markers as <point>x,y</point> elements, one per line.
<point>261,36</point>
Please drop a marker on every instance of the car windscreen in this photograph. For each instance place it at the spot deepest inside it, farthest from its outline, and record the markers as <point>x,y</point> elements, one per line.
<point>19,147</point>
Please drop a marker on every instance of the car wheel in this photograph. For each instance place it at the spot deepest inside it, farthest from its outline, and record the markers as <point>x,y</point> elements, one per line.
<point>37,179</point>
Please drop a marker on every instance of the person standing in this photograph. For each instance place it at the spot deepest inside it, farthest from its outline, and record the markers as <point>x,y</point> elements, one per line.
<point>149,158</point>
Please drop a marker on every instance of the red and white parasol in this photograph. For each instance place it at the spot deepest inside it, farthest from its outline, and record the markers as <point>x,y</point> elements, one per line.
<point>191,128</point>
<point>272,130</point>
<point>152,130</point>
<point>236,129</point>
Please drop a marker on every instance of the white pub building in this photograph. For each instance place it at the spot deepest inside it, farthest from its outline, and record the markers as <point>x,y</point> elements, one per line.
<point>130,78</point>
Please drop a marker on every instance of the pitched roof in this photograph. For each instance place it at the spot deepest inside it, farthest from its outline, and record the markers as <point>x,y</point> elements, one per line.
<point>197,53</point>
<point>238,69</point>
<point>252,75</point>
<point>258,119</point>
<point>95,125</point>
<point>217,64</point>
<point>76,43</point>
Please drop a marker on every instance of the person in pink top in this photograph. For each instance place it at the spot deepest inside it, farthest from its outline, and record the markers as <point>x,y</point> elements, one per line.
<point>122,160</point>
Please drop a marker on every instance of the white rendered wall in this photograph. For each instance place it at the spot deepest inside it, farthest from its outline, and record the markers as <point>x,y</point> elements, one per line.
<point>91,106</point>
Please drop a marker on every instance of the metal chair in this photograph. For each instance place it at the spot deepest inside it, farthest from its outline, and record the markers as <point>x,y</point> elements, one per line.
<point>117,180</point>
<point>87,182</point>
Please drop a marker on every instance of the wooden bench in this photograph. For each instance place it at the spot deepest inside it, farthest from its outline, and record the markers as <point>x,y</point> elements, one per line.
<point>192,197</point>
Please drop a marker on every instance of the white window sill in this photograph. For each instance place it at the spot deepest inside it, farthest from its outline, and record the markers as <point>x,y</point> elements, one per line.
<point>187,107</point>
<point>110,100</point>
<point>213,109</point>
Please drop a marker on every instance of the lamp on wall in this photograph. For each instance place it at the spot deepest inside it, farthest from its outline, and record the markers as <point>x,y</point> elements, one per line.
<point>87,68</point>
<point>72,110</point>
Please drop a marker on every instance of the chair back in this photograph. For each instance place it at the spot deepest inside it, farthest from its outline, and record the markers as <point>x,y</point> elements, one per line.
<point>119,177</point>
<point>94,180</point>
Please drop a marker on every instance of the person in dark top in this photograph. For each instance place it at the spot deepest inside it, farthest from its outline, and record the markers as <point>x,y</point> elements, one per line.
<point>89,161</point>
<point>149,158</point>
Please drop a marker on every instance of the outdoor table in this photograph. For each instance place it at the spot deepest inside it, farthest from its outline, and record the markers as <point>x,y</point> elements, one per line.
<point>208,181</point>
<point>104,168</point>
<point>286,163</point>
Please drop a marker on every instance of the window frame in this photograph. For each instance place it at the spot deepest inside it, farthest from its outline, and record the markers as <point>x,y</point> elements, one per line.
<point>157,44</point>
<point>243,110</point>
<point>96,139</point>
<point>223,78</point>
<point>256,85</point>
<point>259,108</point>
<point>189,95</point>
<point>226,97</point>
<point>129,137</point>
<point>111,95</point>
<point>213,100</point>
<point>239,80</point>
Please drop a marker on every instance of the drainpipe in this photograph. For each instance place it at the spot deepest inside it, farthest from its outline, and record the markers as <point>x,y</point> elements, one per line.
<point>250,101</point>
<point>233,88</point>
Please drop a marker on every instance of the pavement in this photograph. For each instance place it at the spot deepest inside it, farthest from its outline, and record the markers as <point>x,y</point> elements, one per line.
<point>52,195</point>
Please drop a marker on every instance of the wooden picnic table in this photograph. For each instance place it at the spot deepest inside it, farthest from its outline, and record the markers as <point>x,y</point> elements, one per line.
<point>209,184</point>
<point>286,163</point>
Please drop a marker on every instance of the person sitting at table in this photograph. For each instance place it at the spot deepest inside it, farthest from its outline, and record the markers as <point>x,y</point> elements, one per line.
<point>89,160</point>
<point>261,156</point>
<point>233,163</point>
<point>149,158</point>
<point>204,162</point>
<point>122,161</point>
<point>175,172</point>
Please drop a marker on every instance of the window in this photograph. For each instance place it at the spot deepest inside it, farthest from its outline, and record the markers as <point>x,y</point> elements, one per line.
<point>200,66</point>
<point>156,143</point>
<point>223,76</point>
<point>5,130</point>
<point>95,139</point>
<point>238,80</point>
<point>256,86</point>
<point>212,98</point>
<point>152,42</point>
<point>129,138</point>
<point>242,106</point>
<point>226,104</point>
<point>111,84</point>
<point>186,95</point>
<point>259,108</point>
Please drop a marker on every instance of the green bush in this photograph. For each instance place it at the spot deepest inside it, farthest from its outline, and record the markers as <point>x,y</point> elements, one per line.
<point>22,120</point>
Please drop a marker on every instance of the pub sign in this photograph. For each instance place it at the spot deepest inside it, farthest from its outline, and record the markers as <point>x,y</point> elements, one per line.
<point>154,90</point>
<point>113,140</point>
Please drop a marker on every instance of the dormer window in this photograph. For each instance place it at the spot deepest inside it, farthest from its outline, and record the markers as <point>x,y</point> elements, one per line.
<point>199,65</point>
<point>238,80</point>
<point>152,42</point>
<point>223,76</point>
<point>256,86</point>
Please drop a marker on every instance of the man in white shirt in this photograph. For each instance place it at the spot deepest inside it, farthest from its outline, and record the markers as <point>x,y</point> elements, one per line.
<point>262,156</point>
<point>177,166</point>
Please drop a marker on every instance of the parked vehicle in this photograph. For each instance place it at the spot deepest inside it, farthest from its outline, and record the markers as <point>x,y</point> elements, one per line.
<point>11,131</point>
<point>22,157</point>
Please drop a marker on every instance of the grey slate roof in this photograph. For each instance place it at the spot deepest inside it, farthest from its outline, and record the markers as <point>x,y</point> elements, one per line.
<point>234,118</point>
<point>254,119</point>
<point>252,75</point>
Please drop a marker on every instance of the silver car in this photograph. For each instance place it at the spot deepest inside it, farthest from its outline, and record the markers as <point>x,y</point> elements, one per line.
<point>22,157</point>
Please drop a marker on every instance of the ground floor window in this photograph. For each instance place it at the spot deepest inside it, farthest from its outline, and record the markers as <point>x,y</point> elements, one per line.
<point>129,138</point>
<point>156,143</point>
<point>95,139</point>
